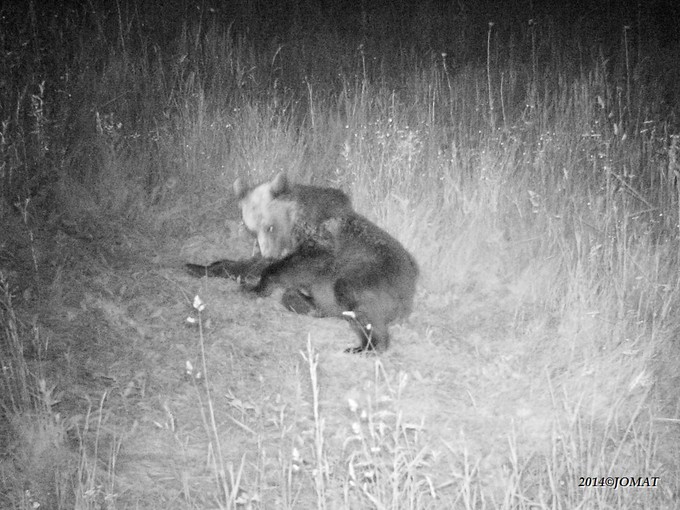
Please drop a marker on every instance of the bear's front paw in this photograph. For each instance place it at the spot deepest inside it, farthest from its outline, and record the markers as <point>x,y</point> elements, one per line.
<point>360,350</point>
<point>259,289</point>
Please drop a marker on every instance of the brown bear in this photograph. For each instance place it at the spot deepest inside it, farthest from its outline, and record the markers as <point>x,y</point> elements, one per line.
<point>348,267</point>
<point>338,264</point>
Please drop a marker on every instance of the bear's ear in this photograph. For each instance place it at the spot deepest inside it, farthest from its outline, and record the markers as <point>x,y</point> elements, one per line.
<point>240,189</point>
<point>279,185</point>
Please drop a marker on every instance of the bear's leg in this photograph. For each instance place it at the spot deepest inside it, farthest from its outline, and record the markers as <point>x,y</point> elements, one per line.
<point>297,301</point>
<point>234,269</point>
<point>299,270</point>
<point>368,310</point>
<point>373,334</point>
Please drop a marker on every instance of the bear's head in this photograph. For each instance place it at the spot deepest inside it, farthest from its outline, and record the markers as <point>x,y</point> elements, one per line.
<point>268,215</point>
<point>276,230</point>
<point>254,201</point>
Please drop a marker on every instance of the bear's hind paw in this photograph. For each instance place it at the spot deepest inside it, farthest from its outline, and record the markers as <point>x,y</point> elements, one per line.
<point>361,349</point>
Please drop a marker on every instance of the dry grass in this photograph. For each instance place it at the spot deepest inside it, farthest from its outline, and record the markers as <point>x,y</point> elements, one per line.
<point>540,200</point>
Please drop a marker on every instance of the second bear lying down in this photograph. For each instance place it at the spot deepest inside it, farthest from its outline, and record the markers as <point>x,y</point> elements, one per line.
<point>338,266</point>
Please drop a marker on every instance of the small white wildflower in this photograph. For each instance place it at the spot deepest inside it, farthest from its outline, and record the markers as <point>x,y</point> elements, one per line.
<point>353,406</point>
<point>191,320</point>
<point>356,428</point>
<point>198,303</point>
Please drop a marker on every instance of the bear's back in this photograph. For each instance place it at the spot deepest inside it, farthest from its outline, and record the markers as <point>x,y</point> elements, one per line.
<point>318,204</point>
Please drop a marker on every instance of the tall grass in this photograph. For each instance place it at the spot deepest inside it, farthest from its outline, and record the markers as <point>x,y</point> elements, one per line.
<point>545,173</point>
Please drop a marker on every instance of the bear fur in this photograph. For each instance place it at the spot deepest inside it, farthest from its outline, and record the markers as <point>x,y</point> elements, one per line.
<point>280,215</point>
<point>331,261</point>
<point>272,199</point>
<point>348,267</point>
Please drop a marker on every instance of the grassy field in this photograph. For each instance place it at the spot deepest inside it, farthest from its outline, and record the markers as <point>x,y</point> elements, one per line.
<point>534,176</point>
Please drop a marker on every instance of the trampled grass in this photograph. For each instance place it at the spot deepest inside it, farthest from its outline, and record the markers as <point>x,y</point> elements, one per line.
<point>538,191</point>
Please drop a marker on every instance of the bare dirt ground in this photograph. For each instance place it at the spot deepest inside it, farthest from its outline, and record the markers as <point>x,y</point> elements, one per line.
<point>457,397</point>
